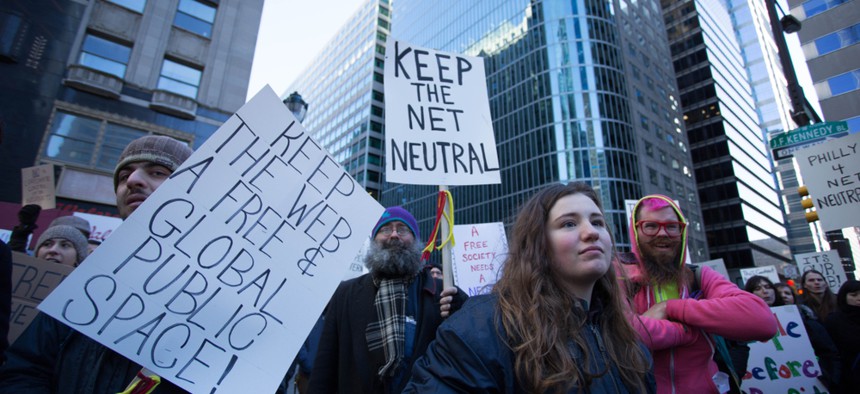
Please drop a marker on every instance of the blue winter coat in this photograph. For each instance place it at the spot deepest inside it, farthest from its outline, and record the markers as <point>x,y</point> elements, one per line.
<point>470,355</point>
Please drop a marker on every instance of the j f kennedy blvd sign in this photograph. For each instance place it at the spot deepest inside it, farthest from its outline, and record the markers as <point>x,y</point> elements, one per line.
<point>807,134</point>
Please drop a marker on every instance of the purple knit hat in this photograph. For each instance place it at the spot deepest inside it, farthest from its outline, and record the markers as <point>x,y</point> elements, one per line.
<point>397,213</point>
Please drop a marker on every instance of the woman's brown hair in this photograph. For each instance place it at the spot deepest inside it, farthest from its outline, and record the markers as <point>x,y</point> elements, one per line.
<point>541,319</point>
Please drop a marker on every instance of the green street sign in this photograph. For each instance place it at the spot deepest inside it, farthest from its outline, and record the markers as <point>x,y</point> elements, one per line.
<point>807,134</point>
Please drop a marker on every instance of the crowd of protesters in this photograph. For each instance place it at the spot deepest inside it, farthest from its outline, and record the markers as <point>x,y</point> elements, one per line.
<point>567,314</point>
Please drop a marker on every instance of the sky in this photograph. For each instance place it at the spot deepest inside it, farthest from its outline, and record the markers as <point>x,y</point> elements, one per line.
<point>292,32</point>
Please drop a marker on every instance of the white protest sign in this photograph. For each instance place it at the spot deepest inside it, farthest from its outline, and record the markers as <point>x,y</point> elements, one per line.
<point>477,257</point>
<point>767,271</point>
<point>438,128</point>
<point>37,186</point>
<point>101,226</point>
<point>716,265</point>
<point>827,263</point>
<point>786,363</point>
<point>831,172</point>
<point>217,278</point>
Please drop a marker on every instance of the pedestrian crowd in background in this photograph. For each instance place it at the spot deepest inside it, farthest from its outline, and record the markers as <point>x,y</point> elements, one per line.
<point>567,314</point>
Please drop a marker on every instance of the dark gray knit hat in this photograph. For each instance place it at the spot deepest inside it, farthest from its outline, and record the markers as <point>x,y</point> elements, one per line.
<point>68,233</point>
<point>158,149</point>
<point>75,221</point>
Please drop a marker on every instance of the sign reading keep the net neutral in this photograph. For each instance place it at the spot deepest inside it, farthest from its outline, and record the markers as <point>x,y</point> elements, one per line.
<point>438,128</point>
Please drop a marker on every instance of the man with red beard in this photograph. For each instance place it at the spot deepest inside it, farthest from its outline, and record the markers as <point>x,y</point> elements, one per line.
<point>378,324</point>
<point>677,309</point>
<point>50,357</point>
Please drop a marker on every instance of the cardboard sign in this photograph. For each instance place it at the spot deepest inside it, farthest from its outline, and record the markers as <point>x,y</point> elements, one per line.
<point>717,265</point>
<point>37,186</point>
<point>767,271</point>
<point>217,278</point>
<point>32,280</point>
<point>828,263</point>
<point>831,172</point>
<point>438,128</point>
<point>478,256</point>
<point>786,363</point>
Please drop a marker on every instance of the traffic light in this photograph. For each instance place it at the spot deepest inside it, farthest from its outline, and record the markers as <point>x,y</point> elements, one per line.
<point>806,203</point>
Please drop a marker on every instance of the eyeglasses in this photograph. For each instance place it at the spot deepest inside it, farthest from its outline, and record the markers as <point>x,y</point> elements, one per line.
<point>651,228</point>
<point>400,230</point>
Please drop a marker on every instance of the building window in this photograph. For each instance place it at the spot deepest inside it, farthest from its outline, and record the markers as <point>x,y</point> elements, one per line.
<point>195,17</point>
<point>134,5</point>
<point>844,83</point>
<point>104,55</point>
<point>179,79</point>
<point>815,7</point>
<point>655,179</point>
<point>837,40</point>
<point>87,141</point>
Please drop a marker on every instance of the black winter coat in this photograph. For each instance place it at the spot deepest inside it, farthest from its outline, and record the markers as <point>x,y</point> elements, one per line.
<point>343,363</point>
<point>470,355</point>
<point>50,357</point>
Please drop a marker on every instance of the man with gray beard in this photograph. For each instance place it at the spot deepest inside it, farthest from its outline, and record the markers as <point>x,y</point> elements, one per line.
<point>378,324</point>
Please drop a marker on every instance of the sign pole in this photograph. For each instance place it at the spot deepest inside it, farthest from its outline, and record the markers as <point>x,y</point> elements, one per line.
<point>447,271</point>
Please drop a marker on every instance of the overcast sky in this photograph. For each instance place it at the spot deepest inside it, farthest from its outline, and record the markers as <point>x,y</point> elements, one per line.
<point>292,32</point>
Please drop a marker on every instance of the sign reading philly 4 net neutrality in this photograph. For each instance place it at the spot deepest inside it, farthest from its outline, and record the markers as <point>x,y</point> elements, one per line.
<point>831,172</point>
<point>438,128</point>
<point>217,278</point>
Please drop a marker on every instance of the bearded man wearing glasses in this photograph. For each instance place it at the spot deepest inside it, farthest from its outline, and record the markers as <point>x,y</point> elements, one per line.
<point>677,310</point>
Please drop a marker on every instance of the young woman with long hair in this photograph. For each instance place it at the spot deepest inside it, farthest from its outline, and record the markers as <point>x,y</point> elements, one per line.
<point>554,322</point>
<point>764,289</point>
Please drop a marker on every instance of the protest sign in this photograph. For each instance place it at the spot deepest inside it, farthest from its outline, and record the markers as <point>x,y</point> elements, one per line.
<point>37,186</point>
<point>786,363</point>
<point>477,257</point>
<point>32,280</point>
<point>827,263</point>
<point>438,127</point>
<point>100,226</point>
<point>767,271</point>
<point>217,278</point>
<point>831,172</point>
<point>716,265</point>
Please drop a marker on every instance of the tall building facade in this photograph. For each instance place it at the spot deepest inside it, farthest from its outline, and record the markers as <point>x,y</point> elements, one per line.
<point>764,71</point>
<point>81,79</point>
<point>343,86</point>
<point>741,208</point>
<point>829,38</point>
<point>579,91</point>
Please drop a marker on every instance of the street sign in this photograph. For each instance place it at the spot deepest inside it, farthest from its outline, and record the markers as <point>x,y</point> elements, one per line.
<point>807,134</point>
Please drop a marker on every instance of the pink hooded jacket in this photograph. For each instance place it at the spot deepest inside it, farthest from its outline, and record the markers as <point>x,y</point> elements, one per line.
<point>682,350</point>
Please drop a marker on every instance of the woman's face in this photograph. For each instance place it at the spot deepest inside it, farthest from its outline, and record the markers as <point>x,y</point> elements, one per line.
<point>765,291</point>
<point>58,250</point>
<point>787,295</point>
<point>580,245</point>
<point>853,298</point>
<point>815,283</point>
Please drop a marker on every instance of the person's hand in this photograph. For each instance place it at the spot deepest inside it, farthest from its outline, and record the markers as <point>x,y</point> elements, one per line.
<point>447,297</point>
<point>658,311</point>
<point>29,214</point>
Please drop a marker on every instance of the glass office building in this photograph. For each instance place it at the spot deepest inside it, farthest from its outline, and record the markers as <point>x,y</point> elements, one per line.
<point>740,206</point>
<point>567,102</point>
<point>343,86</point>
<point>84,78</point>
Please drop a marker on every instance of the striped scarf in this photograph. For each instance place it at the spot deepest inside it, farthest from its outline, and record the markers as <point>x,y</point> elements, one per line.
<point>388,332</point>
